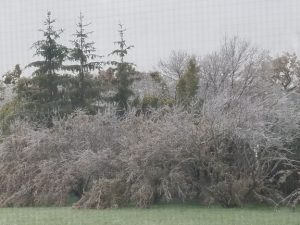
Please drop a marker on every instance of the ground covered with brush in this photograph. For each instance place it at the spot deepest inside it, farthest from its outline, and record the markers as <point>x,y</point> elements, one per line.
<point>232,139</point>
<point>187,214</point>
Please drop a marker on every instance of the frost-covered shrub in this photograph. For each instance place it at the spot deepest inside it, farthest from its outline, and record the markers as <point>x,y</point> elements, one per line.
<point>234,143</point>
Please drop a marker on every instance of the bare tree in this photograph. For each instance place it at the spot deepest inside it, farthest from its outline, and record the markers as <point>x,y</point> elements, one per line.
<point>175,66</point>
<point>249,123</point>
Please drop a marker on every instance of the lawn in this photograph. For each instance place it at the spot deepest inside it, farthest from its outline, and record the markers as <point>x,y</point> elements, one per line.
<point>157,215</point>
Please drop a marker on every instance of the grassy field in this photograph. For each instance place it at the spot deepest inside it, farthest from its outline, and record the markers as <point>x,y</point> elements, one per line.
<point>157,215</point>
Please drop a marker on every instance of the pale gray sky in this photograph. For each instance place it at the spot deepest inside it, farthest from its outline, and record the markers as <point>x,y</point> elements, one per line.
<point>155,27</point>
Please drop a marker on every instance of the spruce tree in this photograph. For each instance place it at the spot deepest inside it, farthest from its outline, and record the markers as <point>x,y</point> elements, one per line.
<point>44,96</point>
<point>83,54</point>
<point>124,72</point>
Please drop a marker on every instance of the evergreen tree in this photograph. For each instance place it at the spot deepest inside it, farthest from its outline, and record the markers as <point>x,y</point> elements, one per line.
<point>188,84</point>
<point>43,90</point>
<point>124,72</point>
<point>83,54</point>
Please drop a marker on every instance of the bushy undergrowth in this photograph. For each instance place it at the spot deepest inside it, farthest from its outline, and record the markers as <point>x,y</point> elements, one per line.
<point>235,142</point>
<point>111,162</point>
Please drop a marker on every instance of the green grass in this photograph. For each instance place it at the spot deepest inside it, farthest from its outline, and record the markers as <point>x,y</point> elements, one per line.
<point>157,215</point>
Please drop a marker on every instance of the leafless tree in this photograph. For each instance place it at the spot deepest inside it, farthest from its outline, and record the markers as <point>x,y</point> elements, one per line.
<point>175,66</point>
<point>249,121</point>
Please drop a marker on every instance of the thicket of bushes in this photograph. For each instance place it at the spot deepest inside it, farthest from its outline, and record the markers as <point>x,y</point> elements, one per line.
<point>231,139</point>
<point>212,154</point>
<point>172,154</point>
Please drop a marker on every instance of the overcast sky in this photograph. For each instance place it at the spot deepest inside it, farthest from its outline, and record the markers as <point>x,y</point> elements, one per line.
<point>155,27</point>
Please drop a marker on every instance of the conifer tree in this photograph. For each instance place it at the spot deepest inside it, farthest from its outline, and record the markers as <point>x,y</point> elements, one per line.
<point>124,72</point>
<point>53,54</point>
<point>83,54</point>
<point>188,84</point>
<point>43,95</point>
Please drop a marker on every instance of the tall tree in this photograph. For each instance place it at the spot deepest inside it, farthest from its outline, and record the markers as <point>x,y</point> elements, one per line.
<point>44,92</point>
<point>83,54</point>
<point>124,72</point>
<point>188,84</point>
<point>52,54</point>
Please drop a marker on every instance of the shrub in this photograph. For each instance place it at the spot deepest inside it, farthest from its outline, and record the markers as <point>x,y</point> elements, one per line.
<point>233,143</point>
<point>104,193</point>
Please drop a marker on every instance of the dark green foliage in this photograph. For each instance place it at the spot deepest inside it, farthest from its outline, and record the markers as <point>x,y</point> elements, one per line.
<point>43,93</point>
<point>49,93</point>
<point>124,72</point>
<point>52,52</point>
<point>123,85</point>
<point>188,84</point>
<point>83,54</point>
